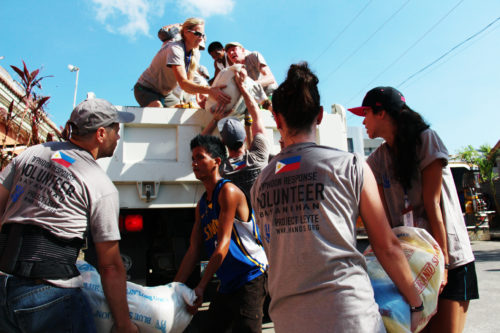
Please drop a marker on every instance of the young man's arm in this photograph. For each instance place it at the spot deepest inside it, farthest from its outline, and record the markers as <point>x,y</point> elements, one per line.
<point>192,255</point>
<point>114,284</point>
<point>191,258</point>
<point>229,199</point>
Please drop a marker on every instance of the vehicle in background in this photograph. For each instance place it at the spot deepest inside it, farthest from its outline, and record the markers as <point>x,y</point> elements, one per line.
<point>158,191</point>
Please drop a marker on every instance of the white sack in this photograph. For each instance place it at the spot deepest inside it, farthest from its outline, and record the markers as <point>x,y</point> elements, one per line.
<point>226,77</point>
<point>152,309</point>
<point>427,265</point>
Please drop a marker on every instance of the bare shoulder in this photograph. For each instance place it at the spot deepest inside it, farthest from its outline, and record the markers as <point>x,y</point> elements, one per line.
<point>231,192</point>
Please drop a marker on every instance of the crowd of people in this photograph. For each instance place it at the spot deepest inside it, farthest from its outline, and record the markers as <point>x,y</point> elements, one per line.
<point>175,73</point>
<point>313,272</point>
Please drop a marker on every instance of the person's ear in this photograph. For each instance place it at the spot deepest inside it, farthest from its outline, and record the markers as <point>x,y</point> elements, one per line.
<point>101,134</point>
<point>320,116</point>
<point>382,114</point>
<point>277,119</point>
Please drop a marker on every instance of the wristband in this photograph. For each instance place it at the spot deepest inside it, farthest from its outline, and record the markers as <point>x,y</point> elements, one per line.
<point>446,266</point>
<point>248,121</point>
<point>417,308</point>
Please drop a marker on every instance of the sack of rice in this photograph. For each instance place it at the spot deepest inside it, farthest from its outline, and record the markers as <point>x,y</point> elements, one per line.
<point>152,309</point>
<point>226,78</point>
<point>427,265</point>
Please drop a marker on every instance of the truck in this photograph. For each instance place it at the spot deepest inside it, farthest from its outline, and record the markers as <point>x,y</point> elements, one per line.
<point>151,168</point>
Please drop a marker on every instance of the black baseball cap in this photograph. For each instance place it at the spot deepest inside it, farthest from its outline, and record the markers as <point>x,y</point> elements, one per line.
<point>386,98</point>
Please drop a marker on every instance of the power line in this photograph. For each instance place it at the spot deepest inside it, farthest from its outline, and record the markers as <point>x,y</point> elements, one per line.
<point>439,58</point>
<point>407,50</point>
<point>445,61</point>
<point>343,30</point>
<point>366,41</point>
<point>451,50</point>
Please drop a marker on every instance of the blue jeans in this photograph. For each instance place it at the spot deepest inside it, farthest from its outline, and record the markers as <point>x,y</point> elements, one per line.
<point>32,306</point>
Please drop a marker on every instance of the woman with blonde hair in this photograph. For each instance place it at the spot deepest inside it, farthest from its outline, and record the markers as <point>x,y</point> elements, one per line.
<point>175,64</point>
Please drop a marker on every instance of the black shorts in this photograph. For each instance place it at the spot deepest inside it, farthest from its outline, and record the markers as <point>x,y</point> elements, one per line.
<point>240,311</point>
<point>462,283</point>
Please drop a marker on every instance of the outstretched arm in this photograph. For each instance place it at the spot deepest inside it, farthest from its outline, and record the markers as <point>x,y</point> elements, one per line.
<point>114,284</point>
<point>250,103</point>
<point>192,88</point>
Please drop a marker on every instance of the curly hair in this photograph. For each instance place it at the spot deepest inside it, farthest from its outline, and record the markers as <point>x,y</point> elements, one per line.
<point>297,98</point>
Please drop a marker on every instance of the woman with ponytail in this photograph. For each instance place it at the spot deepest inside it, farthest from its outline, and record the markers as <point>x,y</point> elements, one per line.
<point>306,202</point>
<point>175,64</point>
<point>416,184</point>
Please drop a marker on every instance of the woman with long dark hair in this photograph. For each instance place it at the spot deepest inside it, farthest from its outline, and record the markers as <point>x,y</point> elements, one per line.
<point>306,202</point>
<point>411,169</point>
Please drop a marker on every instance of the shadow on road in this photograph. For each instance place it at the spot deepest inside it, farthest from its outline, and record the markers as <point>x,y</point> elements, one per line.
<point>490,255</point>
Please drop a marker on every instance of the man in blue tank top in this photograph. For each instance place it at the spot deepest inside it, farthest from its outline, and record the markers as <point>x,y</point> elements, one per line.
<point>225,226</point>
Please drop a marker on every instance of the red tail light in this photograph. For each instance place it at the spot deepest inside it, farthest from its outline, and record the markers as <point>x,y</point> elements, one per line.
<point>133,223</point>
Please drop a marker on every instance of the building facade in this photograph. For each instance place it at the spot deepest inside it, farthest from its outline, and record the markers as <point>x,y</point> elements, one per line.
<point>16,133</point>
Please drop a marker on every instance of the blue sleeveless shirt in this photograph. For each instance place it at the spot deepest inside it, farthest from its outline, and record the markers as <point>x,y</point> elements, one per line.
<point>245,259</point>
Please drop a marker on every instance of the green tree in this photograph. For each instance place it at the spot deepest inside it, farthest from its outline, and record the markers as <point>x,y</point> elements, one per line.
<point>485,159</point>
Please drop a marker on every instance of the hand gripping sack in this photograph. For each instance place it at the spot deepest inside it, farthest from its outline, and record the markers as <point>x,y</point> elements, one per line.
<point>237,104</point>
<point>158,309</point>
<point>427,265</point>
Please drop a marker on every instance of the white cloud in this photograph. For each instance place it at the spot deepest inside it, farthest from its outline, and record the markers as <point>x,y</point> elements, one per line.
<point>128,17</point>
<point>206,8</point>
<point>131,17</point>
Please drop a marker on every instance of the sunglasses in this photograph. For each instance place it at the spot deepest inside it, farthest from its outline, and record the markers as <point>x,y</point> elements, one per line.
<point>197,33</point>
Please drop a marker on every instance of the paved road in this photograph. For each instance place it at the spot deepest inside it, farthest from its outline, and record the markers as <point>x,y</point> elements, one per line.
<point>484,314</point>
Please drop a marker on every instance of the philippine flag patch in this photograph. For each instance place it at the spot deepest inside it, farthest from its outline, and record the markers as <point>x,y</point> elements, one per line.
<point>288,164</point>
<point>62,159</point>
<point>239,165</point>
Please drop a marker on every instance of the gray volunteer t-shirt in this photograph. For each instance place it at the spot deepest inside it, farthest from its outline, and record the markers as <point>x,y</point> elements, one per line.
<point>159,75</point>
<point>306,204</point>
<point>60,187</point>
<point>253,63</point>
<point>244,170</point>
<point>432,148</point>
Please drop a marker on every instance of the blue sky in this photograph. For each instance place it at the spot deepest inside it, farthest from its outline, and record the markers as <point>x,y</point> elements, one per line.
<point>352,45</point>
